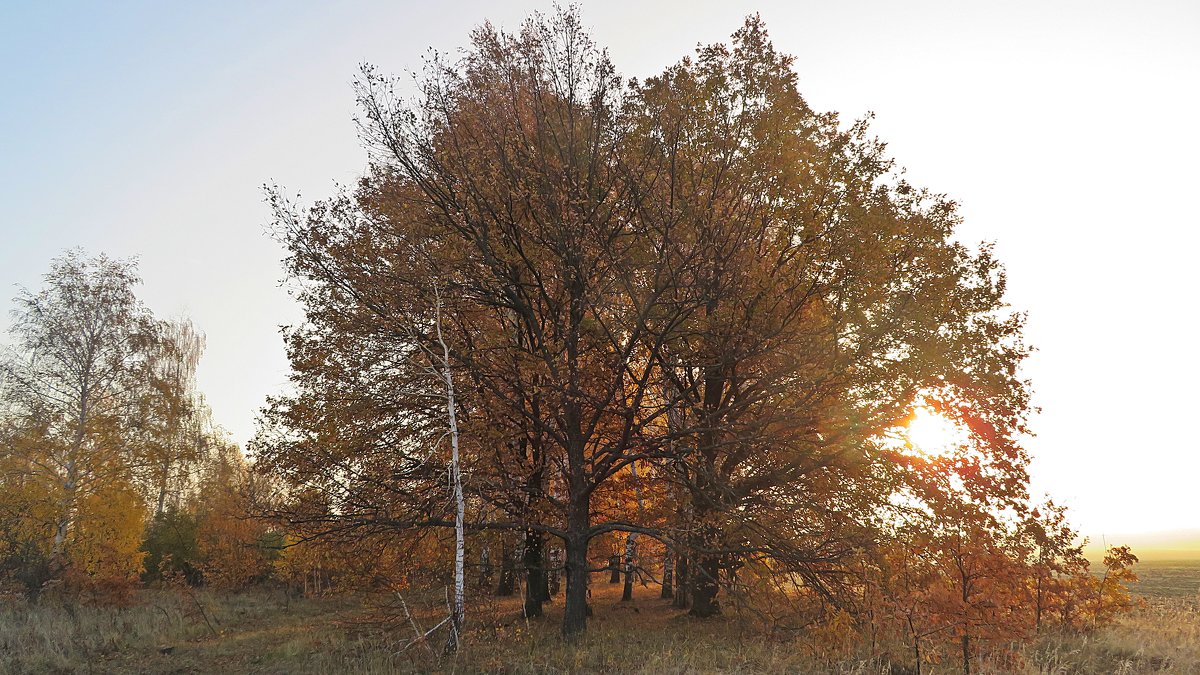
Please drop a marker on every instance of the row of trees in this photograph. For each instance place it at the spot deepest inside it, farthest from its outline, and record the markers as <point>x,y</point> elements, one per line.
<point>105,442</point>
<point>688,310</point>
<point>567,323</point>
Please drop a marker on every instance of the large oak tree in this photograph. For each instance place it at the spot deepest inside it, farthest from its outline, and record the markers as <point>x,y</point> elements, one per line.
<point>698,274</point>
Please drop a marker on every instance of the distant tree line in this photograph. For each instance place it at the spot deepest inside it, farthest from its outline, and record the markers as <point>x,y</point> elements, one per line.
<point>111,467</point>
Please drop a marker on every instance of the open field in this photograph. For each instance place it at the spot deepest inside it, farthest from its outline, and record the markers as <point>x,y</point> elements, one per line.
<point>1168,578</point>
<point>264,633</point>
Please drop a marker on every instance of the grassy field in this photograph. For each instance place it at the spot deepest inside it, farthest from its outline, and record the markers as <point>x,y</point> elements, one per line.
<point>262,632</point>
<point>1168,579</point>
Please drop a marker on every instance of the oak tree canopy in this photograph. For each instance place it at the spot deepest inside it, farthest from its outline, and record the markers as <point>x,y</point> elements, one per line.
<point>690,307</point>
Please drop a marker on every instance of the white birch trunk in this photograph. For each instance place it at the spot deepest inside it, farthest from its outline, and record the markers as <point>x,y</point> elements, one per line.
<point>459,503</point>
<point>631,538</point>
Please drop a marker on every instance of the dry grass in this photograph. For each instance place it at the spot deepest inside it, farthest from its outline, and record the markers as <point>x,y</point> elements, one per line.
<point>1164,636</point>
<point>52,637</point>
<point>261,633</point>
<point>198,629</point>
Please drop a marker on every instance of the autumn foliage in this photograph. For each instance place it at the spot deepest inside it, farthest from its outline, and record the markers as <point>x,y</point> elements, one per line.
<point>690,318</point>
<point>686,321</point>
<point>112,469</point>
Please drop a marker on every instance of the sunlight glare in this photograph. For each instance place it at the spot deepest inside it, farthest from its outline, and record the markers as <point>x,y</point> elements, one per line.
<point>931,434</point>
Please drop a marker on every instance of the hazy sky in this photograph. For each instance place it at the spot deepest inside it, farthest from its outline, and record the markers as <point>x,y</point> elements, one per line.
<point>1066,130</point>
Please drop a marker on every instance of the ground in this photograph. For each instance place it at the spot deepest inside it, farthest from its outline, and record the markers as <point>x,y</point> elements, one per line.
<point>180,631</point>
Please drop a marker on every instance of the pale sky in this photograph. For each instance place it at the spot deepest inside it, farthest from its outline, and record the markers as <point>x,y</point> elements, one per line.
<point>1066,130</point>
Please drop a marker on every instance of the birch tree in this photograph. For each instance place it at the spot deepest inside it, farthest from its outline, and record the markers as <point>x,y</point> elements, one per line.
<point>174,423</point>
<point>447,375</point>
<point>81,347</point>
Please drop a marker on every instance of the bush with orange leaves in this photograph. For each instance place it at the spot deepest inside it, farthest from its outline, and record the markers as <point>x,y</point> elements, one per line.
<point>104,552</point>
<point>234,547</point>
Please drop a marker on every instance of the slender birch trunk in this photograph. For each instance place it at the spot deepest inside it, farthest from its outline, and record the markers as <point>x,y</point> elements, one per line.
<point>631,538</point>
<point>459,502</point>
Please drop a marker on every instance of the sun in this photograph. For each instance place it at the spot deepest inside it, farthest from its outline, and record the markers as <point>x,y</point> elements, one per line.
<point>930,433</point>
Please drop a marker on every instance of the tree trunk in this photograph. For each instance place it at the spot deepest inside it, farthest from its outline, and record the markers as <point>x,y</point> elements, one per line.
<point>965,581</point>
<point>554,574</point>
<point>705,581</point>
<point>667,590</point>
<point>683,581</point>
<point>579,513</point>
<point>535,573</point>
<point>72,479</point>
<point>966,653</point>
<point>705,585</point>
<point>614,568</point>
<point>631,538</point>
<point>916,641</point>
<point>162,491</point>
<point>575,611</point>
<point>579,499</point>
<point>630,550</point>
<point>485,567</point>
<point>706,574</point>
<point>458,612</point>
<point>65,516</point>
<point>916,648</point>
<point>508,573</point>
<point>1037,612</point>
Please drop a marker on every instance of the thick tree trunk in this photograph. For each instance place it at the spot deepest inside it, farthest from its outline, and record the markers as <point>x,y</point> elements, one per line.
<point>705,581</point>
<point>575,611</point>
<point>683,581</point>
<point>614,568</point>
<point>535,573</point>
<point>705,585</point>
<point>706,573</point>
